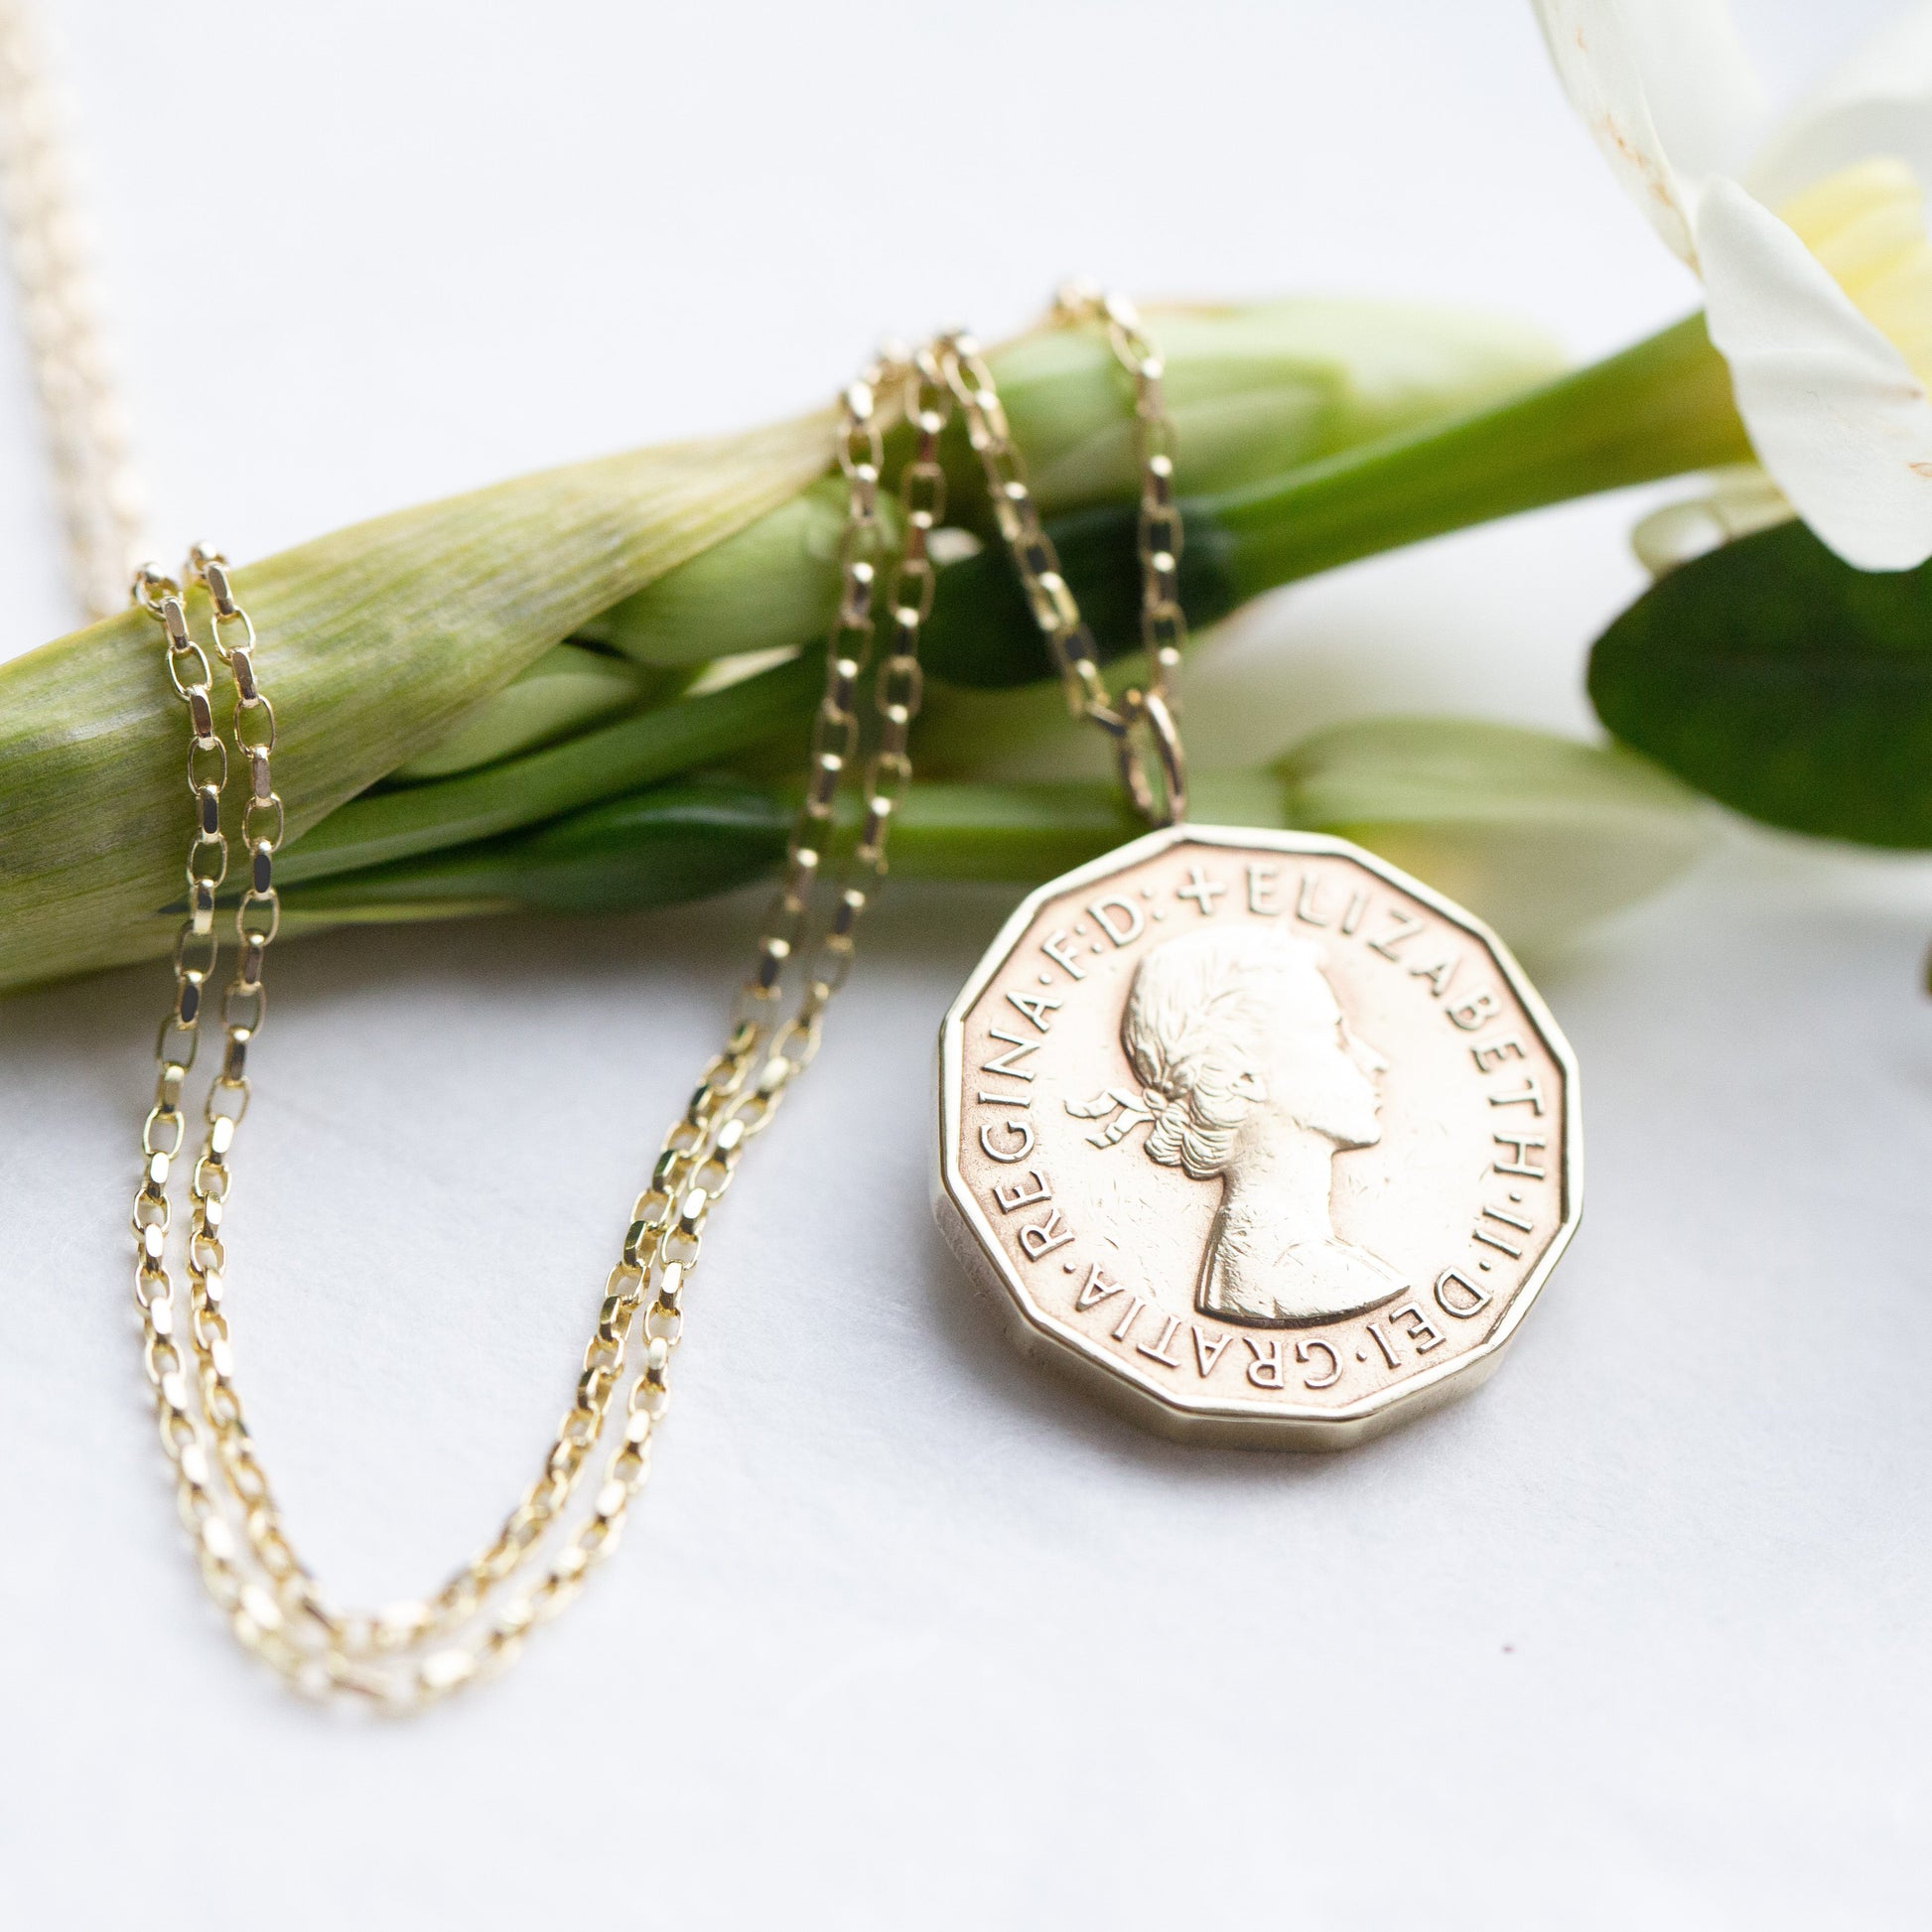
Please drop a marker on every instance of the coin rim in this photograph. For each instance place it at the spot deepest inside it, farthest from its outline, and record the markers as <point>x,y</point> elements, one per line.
<point>971,1235</point>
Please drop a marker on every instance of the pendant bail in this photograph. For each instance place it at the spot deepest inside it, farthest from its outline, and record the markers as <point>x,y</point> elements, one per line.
<point>1146,722</point>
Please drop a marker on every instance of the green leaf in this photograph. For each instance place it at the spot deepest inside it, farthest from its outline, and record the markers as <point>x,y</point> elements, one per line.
<point>1776,678</point>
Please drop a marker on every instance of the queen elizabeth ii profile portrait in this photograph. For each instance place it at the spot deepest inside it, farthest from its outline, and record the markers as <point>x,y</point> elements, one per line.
<point>1250,1075</point>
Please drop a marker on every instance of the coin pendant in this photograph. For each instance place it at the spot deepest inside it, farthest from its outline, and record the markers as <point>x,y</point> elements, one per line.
<point>1264,1139</point>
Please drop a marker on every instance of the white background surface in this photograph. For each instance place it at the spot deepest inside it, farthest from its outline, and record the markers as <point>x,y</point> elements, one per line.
<point>905,1633</point>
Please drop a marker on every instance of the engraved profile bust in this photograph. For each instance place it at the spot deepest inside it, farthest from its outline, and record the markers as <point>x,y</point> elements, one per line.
<point>1250,1075</point>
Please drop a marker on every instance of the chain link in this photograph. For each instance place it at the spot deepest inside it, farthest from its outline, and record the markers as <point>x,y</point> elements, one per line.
<point>94,483</point>
<point>1142,725</point>
<point>409,1655</point>
<point>928,381</point>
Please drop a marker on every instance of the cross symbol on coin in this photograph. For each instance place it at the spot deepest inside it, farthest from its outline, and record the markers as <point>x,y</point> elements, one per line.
<point>1201,888</point>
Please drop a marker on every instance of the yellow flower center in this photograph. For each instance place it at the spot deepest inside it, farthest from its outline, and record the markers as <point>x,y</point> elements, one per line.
<point>1866,226</point>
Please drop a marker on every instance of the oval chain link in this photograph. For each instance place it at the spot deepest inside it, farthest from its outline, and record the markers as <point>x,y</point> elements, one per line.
<point>1142,723</point>
<point>408,1655</point>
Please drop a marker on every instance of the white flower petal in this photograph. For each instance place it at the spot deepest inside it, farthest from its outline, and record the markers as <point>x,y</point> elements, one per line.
<point>1834,411</point>
<point>1879,102</point>
<point>1706,100</point>
<point>1597,61</point>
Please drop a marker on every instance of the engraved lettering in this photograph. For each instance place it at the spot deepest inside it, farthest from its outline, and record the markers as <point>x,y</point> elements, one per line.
<point>1096,1287</point>
<point>1477,1011</point>
<point>1207,1347</point>
<point>1035,1007</point>
<point>1163,1342</point>
<point>1522,1143</point>
<point>1330,1376</point>
<point>1054,947</point>
<point>1202,890</point>
<point>1021,1048</point>
<point>1406,930</point>
<point>1437,976</point>
<point>1418,1328</point>
<point>1012,1193</point>
<point>1531,1096</point>
<point>1158,1033</point>
<point>1492,1052</point>
<point>1024,1128</point>
<point>1041,1237</point>
<point>1127,930</point>
<point>1267,1369</point>
<point>1467,1299</point>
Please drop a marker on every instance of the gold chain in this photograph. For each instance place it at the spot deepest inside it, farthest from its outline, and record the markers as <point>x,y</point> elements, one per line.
<point>411,1654</point>
<point>927,383</point>
<point>272,1602</point>
<point>1144,718</point>
<point>94,480</point>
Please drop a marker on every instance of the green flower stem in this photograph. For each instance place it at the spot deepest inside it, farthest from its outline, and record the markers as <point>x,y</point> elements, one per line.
<point>1254,390</point>
<point>376,642</point>
<point>689,840</point>
<point>382,640</point>
<point>1657,409</point>
<point>1540,833</point>
<point>385,826</point>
